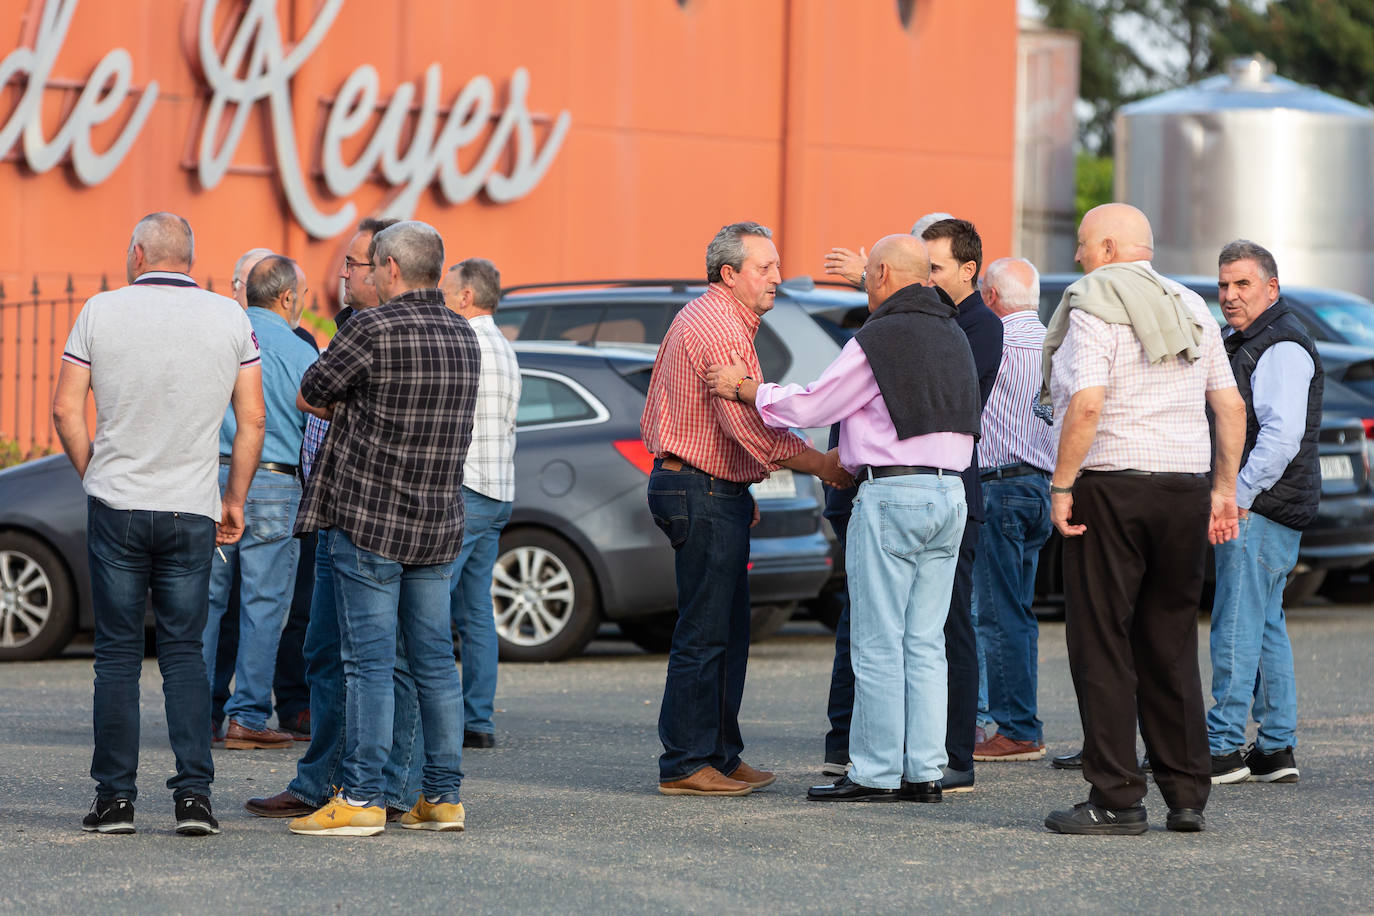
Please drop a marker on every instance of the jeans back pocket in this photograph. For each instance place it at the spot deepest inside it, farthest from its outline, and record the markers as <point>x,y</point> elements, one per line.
<point>669,509</point>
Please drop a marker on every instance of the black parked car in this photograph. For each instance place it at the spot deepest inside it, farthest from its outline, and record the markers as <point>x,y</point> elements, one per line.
<point>580,547</point>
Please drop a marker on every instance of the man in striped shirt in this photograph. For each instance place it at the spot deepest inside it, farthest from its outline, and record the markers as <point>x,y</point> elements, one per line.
<point>1016,454</point>
<point>707,451</point>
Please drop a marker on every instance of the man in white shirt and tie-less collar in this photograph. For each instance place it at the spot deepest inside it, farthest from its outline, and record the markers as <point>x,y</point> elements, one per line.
<point>472,289</point>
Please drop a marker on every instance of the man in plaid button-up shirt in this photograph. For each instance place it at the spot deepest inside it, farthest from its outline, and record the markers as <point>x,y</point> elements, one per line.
<point>707,452</point>
<point>399,383</point>
<point>472,289</point>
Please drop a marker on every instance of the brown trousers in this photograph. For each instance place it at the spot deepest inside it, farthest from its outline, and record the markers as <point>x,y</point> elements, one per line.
<point>1132,583</point>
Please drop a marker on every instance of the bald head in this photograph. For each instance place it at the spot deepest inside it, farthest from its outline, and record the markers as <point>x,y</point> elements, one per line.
<point>1112,234</point>
<point>242,267</point>
<point>896,262</point>
<point>160,241</point>
<point>1011,285</point>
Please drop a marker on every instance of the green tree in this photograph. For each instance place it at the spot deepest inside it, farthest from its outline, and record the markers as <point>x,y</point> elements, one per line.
<point>1093,183</point>
<point>1129,49</point>
<point>1325,43</point>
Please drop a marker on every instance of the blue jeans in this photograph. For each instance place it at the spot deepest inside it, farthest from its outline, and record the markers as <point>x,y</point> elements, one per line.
<point>1016,526</point>
<point>381,603</point>
<point>903,548</point>
<point>483,519</point>
<point>1252,660</point>
<point>707,521</point>
<point>131,552</point>
<point>319,770</point>
<point>985,720</point>
<point>264,563</point>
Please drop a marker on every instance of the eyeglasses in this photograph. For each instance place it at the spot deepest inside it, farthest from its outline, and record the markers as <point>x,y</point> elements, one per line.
<point>351,265</point>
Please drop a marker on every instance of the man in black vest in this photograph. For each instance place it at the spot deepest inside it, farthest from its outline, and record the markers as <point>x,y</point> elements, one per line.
<point>1279,375</point>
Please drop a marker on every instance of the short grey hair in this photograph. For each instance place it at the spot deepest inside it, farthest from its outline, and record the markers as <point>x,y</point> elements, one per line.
<point>482,277</point>
<point>919,227</point>
<point>417,249</point>
<point>1012,292</point>
<point>728,247</point>
<point>165,239</point>
<point>249,255</point>
<point>1246,250</point>
<point>269,278</point>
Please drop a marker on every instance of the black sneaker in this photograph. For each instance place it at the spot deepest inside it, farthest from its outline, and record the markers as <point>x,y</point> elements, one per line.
<point>1229,768</point>
<point>1186,820</point>
<point>1278,766</point>
<point>194,817</point>
<point>1087,818</point>
<point>109,815</point>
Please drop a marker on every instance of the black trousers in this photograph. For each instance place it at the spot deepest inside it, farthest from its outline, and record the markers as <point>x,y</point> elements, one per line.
<point>1132,583</point>
<point>961,654</point>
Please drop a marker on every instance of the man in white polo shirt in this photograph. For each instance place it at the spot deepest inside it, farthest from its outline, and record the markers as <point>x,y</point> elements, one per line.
<point>164,358</point>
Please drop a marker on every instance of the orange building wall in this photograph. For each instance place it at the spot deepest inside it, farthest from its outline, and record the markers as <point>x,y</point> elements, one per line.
<point>825,119</point>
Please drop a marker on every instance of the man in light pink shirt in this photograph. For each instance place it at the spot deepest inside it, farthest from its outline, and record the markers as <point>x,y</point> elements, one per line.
<point>907,391</point>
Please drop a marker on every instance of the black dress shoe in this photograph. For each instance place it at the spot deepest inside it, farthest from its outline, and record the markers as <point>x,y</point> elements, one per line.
<point>1072,761</point>
<point>919,791</point>
<point>845,789</point>
<point>1187,820</point>
<point>479,739</point>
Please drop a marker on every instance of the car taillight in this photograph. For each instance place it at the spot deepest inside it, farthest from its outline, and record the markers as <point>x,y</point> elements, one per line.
<point>635,452</point>
<point>1368,428</point>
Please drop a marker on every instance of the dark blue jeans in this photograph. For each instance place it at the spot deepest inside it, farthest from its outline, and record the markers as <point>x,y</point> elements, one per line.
<point>840,709</point>
<point>130,553</point>
<point>1016,526</point>
<point>319,771</point>
<point>707,522</point>
<point>288,683</point>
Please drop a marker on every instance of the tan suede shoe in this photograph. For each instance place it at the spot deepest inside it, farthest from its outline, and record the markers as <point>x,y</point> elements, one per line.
<point>706,781</point>
<point>757,779</point>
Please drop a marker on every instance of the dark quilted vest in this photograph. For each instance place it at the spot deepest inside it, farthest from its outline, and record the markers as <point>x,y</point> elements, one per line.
<point>1292,500</point>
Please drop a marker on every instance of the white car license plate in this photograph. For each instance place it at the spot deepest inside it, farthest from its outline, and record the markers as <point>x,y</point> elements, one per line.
<point>778,485</point>
<point>1337,467</point>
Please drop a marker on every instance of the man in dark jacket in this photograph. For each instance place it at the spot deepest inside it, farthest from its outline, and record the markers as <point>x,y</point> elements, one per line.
<point>1279,375</point>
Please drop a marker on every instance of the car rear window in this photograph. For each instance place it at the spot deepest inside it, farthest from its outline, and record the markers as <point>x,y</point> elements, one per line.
<point>548,400</point>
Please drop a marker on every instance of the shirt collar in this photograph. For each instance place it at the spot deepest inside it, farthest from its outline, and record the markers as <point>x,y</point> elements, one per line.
<point>748,316</point>
<point>1019,315</point>
<point>163,278</point>
<point>269,315</point>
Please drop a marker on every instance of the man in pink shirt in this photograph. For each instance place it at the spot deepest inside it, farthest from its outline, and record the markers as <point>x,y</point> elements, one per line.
<point>907,390</point>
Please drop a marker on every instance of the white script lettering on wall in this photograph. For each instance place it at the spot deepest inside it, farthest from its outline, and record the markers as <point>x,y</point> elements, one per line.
<point>256,67</point>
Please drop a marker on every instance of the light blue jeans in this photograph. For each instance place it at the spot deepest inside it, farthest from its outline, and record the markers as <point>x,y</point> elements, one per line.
<point>380,601</point>
<point>483,520</point>
<point>1252,660</point>
<point>902,551</point>
<point>264,561</point>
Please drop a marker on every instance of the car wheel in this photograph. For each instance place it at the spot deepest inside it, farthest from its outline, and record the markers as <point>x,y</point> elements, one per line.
<point>766,620</point>
<point>37,610</point>
<point>654,633</point>
<point>1302,587</point>
<point>543,597</point>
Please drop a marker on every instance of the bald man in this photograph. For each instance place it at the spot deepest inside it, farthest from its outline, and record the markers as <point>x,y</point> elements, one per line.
<point>164,359</point>
<point>1133,361</point>
<point>907,390</point>
<point>1015,456</point>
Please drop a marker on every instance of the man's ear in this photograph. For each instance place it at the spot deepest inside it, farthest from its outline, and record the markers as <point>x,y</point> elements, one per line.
<point>727,275</point>
<point>1109,250</point>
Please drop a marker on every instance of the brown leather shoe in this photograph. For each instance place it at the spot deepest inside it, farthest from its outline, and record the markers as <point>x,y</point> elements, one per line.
<point>283,804</point>
<point>706,781</point>
<point>239,738</point>
<point>394,814</point>
<point>757,779</point>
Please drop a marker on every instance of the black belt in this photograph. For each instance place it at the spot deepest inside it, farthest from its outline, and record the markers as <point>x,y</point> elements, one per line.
<point>1133,473</point>
<point>874,471</point>
<point>1012,470</point>
<point>272,466</point>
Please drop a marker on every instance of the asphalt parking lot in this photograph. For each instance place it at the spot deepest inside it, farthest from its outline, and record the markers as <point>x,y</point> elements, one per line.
<point>564,815</point>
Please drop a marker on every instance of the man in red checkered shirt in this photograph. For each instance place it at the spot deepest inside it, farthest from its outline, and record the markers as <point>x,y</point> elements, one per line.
<point>707,451</point>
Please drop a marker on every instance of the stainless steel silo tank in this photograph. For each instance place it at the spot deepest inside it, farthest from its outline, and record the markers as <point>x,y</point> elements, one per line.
<point>1251,155</point>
